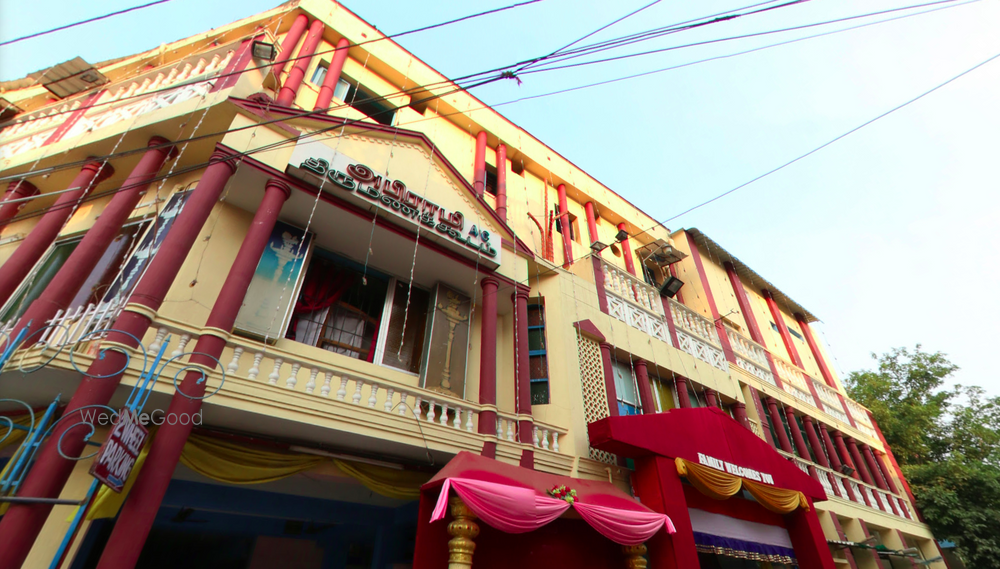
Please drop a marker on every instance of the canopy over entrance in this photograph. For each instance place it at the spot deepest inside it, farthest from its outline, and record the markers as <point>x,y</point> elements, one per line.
<point>598,528</point>
<point>705,436</point>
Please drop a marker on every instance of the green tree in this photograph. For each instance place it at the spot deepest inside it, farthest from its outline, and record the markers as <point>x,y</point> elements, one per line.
<point>947,442</point>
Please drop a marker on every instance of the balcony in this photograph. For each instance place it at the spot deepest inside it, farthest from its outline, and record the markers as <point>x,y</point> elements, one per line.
<point>697,336</point>
<point>835,484</point>
<point>751,357</point>
<point>305,386</point>
<point>794,381</point>
<point>831,402</point>
<point>634,302</point>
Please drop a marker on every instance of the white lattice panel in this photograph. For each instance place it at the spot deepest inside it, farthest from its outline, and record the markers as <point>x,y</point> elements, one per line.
<point>701,350</point>
<point>595,393</point>
<point>757,371</point>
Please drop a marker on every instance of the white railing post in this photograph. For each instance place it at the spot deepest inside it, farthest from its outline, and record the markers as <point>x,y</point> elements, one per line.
<point>255,368</point>
<point>234,364</point>
<point>276,374</point>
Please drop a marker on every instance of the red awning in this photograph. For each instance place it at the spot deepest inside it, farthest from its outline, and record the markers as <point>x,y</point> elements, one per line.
<point>693,434</point>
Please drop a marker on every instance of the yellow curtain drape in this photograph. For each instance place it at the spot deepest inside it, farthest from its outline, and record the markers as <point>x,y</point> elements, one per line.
<point>15,435</point>
<point>709,481</point>
<point>721,485</point>
<point>232,463</point>
<point>778,500</point>
<point>399,484</point>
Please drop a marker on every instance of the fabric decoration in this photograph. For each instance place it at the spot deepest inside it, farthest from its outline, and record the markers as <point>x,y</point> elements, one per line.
<point>740,549</point>
<point>14,435</point>
<point>516,509</point>
<point>713,483</point>
<point>232,463</point>
<point>720,485</point>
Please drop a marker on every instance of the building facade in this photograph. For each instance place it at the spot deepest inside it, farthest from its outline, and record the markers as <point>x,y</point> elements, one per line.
<point>322,276</point>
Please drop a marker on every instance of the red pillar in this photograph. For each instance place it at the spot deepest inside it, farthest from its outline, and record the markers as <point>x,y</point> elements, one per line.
<point>588,208</point>
<point>720,328</point>
<point>873,470</point>
<point>845,456</point>
<point>793,426</point>
<point>15,191</point>
<point>740,412</point>
<point>779,320</point>
<point>779,428</point>
<point>522,365</point>
<point>711,398</point>
<point>814,348</point>
<point>609,379</point>
<point>748,316</point>
<point>20,525</point>
<point>488,364</point>
<point>660,489</point>
<point>286,96</point>
<point>859,462</point>
<point>45,232</point>
<point>846,552</point>
<point>645,389</point>
<point>830,449</point>
<point>755,397</point>
<point>136,518</point>
<point>564,224</point>
<point>67,282</point>
<point>626,250</point>
<point>602,296</point>
<point>808,540</point>
<point>883,471</point>
<point>814,441</point>
<point>289,42</point>
<point>479,165</point>
<point>332,75</point>
<point>501,208</point>
<point>683,397</point>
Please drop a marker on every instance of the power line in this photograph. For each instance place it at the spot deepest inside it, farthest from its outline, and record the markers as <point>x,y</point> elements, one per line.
<point>82,22</point>
<point>825,144</point>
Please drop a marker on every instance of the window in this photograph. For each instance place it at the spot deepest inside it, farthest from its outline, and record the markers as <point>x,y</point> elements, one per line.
<point>491,180</point>
<point>319,74</point>
<point>406,313</point>
<point>355,95</point>
<point>663,391</point>
<point>625,388</point>
<point>573,233</point>
<point>790,331</point>
<point>538,365</point>
<point>94,286</point>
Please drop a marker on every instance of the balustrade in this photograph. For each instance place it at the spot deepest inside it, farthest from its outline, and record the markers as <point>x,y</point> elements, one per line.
<point>750,356</point>
<point>635,303</point>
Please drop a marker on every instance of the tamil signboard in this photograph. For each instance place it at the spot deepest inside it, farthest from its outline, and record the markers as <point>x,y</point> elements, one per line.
<point>337,173</point>
<point>114,463</point>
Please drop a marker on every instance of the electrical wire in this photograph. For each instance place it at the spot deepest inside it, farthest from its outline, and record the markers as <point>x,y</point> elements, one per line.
<point>82,22</point>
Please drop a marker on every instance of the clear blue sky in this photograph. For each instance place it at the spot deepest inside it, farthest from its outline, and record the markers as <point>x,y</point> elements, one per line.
<point>889,236</point>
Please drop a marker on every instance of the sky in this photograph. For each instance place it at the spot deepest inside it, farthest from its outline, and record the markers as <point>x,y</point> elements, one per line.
<point>889,235</point>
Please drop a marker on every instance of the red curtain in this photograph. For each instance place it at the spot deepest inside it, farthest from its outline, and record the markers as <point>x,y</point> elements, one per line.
<point>324,285</point>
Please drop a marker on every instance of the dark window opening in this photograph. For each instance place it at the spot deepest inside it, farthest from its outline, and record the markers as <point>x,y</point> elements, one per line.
<point>355,95</point>
<point>570,218</point>
<point>404,341</point>
<point>491,180</point>
<point>790,331</point>
<point>538,366</point>
<point>319,74</point>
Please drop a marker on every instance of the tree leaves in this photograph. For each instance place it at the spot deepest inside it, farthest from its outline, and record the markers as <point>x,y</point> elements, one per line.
<point>947,442</point>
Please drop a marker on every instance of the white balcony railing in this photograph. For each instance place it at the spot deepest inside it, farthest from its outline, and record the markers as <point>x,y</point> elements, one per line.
<point>831,401</point>
<point>634,302</point>
<point>861,418</point>
<point>793,381</point>
<point>346,385</point>
<point>750,356</point>
<point>697,336</point>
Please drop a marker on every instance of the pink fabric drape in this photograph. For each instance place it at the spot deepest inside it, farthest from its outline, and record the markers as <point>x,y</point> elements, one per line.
<point>514,509</point>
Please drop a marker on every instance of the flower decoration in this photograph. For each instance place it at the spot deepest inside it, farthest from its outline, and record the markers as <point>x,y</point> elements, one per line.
<point>563,493</point>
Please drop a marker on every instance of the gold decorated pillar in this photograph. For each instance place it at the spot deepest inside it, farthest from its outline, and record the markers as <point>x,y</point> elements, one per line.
<point>463,530</point>
<point>634,556</point>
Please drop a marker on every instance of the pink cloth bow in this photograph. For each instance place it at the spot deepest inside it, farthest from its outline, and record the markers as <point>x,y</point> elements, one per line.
<point>513,509</point>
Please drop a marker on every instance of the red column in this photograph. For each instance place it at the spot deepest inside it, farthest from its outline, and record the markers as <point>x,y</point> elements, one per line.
<point>683,397</point>
<point>740,412</point>
<point>846,552</point>
<point>609,380</point>
<point>289,42</point>
<point>814,348</point>
<point>479,165</point>
<point>845,456</point>
<point>564,224</point>
<point>779,428</point>
<point>22,522</point>
<point>488,363</point>
<point>830,449</point>
<point>602,295</point>
<point>591,222</point>
<point>522,365</point>
<point>873,470</point>
<point>755,397</point>
<point>808,540</point>
<point>660,489</point>
<point>859,463</point>
<point>16,190</point>
<point>800,443</point>
<point>501,208</point>
<point>748,316</point>
<point>64,286</point>
<point>286,96</point>
<point>814,441</point>
<point>626,251</point>
<point>45,232</point>
<point>779,320</point>
<point>711,398</point>
<point>645,389</point>
<point>332,75</point>
<point>136,518</point>
<point>886,476</point>
<point>727,348</point>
